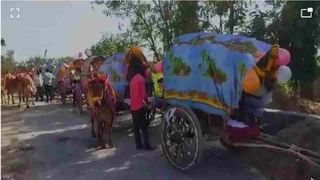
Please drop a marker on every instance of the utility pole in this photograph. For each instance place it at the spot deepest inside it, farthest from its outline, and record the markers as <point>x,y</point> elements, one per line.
<point>45,53</point>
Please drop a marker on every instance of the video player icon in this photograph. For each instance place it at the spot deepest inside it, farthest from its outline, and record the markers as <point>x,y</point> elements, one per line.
<point>306,13</point>
<point>15,13</point>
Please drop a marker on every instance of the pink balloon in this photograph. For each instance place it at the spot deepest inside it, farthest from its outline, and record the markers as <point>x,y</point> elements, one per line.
<point>283,57</point>
<point>158,67</point>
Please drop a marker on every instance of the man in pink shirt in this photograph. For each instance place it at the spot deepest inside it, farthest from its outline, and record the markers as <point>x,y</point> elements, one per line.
<point>138,102</point>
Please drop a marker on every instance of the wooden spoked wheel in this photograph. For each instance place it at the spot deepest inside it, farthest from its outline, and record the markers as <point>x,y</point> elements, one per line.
<point>181,138</point>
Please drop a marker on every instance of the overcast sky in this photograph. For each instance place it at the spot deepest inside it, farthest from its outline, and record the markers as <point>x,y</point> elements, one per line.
<point>63,27</point>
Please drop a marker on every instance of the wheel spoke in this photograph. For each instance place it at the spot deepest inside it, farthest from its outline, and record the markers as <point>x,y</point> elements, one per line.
<point>179,139</point>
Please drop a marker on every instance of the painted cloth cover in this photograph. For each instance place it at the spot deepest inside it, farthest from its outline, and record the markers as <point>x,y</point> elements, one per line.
<point>205,70</point>
<point>115,68</point>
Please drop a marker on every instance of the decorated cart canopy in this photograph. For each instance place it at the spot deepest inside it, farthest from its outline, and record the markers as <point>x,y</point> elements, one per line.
<point>58,69</point>
<point>115,68</point>
<point>205,70</point>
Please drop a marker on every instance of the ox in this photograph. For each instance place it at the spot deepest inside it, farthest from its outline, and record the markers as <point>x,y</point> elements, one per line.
<point>22,84</point>
<point>101,101</point>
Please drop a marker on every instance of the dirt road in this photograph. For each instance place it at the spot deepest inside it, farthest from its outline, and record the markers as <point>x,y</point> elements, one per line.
<point>53,142</point>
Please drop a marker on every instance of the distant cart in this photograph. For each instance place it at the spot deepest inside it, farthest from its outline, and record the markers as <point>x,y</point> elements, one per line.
<point>203,76</point>
<point>115,67</point>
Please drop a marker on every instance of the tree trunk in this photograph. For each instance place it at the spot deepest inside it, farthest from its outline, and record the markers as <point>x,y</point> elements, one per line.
<point>306,90</point>
<point>231,18</point>
<point>220,21</point>
<point>187,17</point>
<point>156,54</point>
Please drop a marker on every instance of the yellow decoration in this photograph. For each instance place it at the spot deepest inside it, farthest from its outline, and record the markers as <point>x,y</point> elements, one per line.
<point>137,53</point>
<point>156,86</point>
<point>196,97</point>
<point>92,100</point>
<point>271,66</point>
<point>62,70</point>
<point>100,75</point>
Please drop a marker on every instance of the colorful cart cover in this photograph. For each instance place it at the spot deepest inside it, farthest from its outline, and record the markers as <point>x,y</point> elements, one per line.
<point>115,68</point>
<point>57,69</point>
<point>205,70</point>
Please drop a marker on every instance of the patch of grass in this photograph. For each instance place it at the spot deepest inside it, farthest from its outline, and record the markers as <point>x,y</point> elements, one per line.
<point>15,166</point>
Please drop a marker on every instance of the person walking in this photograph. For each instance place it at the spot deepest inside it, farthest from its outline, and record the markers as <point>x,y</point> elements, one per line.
<point>38,81</point>
<point>48,85</point>
<point>138,102</point>
<point>76,85</point>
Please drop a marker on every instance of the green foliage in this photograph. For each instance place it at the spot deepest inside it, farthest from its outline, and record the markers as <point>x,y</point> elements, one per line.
<point>212,71</point>
<point>179,67</point>
<point>150,21</point>
<point>186,19</point>
<point>296,35</point>
<point>111,44</point>
<point>34,62</point>
<point>274,17</point>
<point>15,166</point>
<point>288,89</point>
<point>231,15</point>
<point>242,69</point>
<point>209,10</point>
<point>115,77</point>
<point>257,27</point>
<point>237,14</point>
<point>7,62</point>
<point>3,42</point>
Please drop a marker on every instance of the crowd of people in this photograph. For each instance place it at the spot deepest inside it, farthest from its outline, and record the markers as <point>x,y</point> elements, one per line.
<point>139,74</point>
<point>44,83</point>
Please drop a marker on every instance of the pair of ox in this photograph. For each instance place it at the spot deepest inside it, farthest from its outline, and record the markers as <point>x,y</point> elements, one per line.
<point>21,84</point>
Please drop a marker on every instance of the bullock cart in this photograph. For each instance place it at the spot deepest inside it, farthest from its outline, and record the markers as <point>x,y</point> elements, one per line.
<point>205,80</point>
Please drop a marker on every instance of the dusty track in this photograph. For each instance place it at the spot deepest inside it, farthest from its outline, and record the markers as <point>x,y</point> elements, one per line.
<point>53,142</point>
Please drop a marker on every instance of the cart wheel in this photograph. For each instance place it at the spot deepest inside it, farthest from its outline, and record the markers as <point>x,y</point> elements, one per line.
<point>151,115</point>
<point>181,138</point>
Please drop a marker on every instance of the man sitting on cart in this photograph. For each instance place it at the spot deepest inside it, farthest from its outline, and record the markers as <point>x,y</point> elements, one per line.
<point>255,96</point>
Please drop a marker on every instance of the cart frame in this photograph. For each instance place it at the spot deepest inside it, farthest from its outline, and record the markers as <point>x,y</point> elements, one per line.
<point>171,137</point>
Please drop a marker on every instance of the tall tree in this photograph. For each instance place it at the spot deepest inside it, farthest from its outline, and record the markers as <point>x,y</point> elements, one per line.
<point>301,38</point>
<point>165,21</point>
<point>110,44</point>
<point>35,62</point>
<point>186,20</point>
<point>257,27</point>
<point>231,14</point>
<point>3,42</point>
<point>8,62</point>
<point>273,16</point>
<point>221,9</point>
<point>237,14</point>
<point>142,19</point>
<point>206,14</point>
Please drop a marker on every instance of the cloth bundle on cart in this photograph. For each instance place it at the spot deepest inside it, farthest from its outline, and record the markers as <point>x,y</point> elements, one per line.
<point>115,67</point>
<point>205,70</point>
